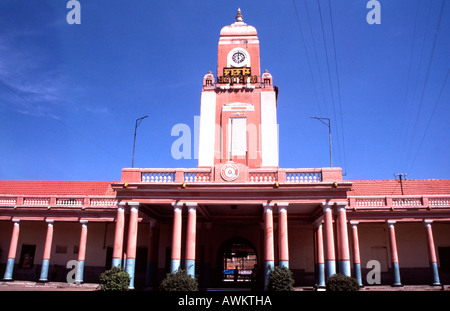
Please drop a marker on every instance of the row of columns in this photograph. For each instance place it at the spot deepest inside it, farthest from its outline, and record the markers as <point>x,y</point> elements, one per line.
<point>191,234</point>
<point>8,276</point>
<point>325,255</point>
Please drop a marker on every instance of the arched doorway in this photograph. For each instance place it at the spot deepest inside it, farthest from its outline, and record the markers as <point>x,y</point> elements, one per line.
<point>237,260</point>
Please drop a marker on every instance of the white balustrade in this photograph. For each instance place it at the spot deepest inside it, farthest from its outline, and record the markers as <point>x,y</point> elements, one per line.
<point>69,201</point>
<point>269,176</point>
<point>36,201</point>
<point>200,177</point>
<point>158,177</point>
<point>8,200</point>
<point>303,177</point>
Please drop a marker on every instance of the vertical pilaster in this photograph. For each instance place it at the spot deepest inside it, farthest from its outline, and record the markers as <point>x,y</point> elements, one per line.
<point>432,253</point>
<point>283,241</point>
<point>132,241</point>
<point>343,251</point>
<point>118,237</point>
<point>394,254</point>
<point>47,252</point>
<point>81,252</point>
<point>268,242</point>
<point>12,251</point>
<point>330,259</point>
<point>320,261</point>
<point>356,254</point>
<point>191,234</point>
<point>176,238</point>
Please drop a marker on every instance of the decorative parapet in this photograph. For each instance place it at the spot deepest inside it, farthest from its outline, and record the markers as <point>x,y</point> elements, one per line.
<point>208,175</point>
<point>58,201</point>
<point>375,202</point>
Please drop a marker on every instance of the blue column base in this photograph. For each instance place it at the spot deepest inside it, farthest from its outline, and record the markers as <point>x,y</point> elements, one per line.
<point>320,270</point>
<point>116,262</point>
<point>358,276</point>
<point>435,273</point>
<point>344,267</point>
<point>9,270</point>
<point>330,268</point>
<point>190,267</point>
<point>284,263</point>
<point>268,265</point>
<point>396,274</point>
<point>44,270</point>
<point>174,265</point>
<point>130,271</point>
<point>79,273</point>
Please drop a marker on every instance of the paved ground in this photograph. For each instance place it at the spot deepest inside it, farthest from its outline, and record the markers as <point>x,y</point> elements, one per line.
<point>60,286</point>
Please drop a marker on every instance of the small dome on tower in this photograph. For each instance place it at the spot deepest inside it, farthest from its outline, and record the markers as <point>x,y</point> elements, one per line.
<point>238,28</point>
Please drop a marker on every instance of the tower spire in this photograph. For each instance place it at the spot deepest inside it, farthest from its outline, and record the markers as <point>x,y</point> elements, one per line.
<point>239,17</point>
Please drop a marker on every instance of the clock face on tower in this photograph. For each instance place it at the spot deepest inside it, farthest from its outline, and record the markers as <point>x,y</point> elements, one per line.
<point>238,57</point>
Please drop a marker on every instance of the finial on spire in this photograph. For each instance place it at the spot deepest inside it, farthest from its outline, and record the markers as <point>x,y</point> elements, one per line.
<point>239,17</point>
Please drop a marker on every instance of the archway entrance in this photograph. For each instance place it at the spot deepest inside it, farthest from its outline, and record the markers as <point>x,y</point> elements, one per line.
<point>238,260</point>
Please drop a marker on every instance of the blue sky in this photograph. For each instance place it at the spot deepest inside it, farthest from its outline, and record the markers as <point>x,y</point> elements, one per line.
<point>70,94</point>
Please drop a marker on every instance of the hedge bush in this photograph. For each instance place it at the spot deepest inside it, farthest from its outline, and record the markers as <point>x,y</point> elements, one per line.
<point>179,281</point>
<point>340,282</point>
<point>115,279</point>
<point>280,279</point>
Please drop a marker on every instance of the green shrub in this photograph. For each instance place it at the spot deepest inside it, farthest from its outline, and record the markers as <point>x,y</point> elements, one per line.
<point>340,282</point>
<point>280,279</point>
<point>115,279</point>
<point>179,281</point>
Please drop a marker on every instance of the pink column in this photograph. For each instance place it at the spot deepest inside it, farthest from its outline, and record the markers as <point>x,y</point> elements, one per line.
<point>432,253</point>
<point>268,242</point>
<point>176,238</point>
<point>118,237</point>
<point>320,261</point>
<point>356,255</point>
<point>343,251</point>
<point>12,251</point>
<point>81,252</point>
<point>330,259</point>
<point>132,241</point>
<point>47,251</point>
<point>394,254</point>
<point>283,241</point>
<point>191,238</point>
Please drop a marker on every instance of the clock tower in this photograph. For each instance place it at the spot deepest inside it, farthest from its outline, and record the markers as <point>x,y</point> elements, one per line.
<point>238,120</point>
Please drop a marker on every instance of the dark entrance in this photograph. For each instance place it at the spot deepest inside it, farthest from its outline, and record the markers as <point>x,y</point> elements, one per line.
<point>238,264</point>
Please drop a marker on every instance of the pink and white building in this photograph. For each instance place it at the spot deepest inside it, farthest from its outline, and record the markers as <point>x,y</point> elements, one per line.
<point>237,211</point>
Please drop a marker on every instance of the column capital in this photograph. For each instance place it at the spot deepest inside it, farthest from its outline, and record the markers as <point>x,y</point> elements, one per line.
<point>391,223</point>
<point>353,223</point>
<point>16,221</point>
<point>50,221</point>
<point>427,222</point>
<point>268,207</point>
<point>84,221</point>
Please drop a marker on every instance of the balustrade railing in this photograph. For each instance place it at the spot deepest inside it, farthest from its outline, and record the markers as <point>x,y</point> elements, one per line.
<point>158,176</point>
<point>197,176</point>
<point>263,176</point>
<point>303,176</point>
<point>8,200</point>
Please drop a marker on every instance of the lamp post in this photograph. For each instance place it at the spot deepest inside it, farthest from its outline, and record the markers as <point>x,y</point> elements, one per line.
<point>329,134</point>
<point>138,121</point>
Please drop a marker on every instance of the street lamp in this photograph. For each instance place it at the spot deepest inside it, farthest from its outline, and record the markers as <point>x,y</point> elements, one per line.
<point>138,121</point>
<point>329,133</point>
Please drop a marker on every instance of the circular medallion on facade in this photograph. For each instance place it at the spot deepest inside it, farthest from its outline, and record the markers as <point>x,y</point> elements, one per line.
<point>229,172</point>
